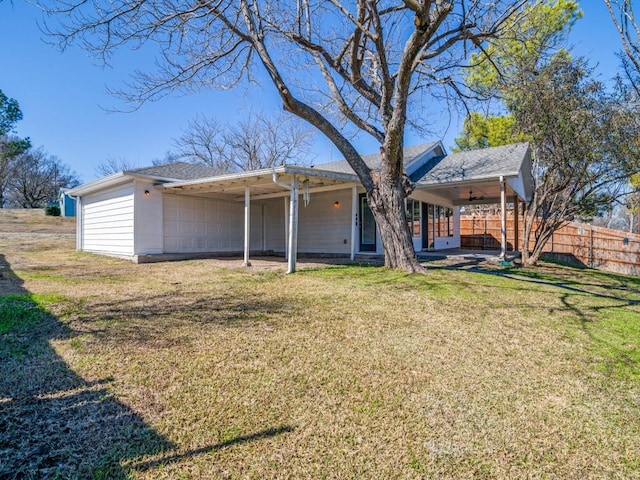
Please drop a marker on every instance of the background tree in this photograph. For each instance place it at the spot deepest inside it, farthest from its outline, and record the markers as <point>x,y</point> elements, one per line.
<point>480,131</point>
<point>10,145</point>
<point>578,169</point>
<point>624,19</point>
<point>574,127</point>
<point>37,178</point>
<point>359,66</point>
<point>114,165</point>
<point>256,142</point>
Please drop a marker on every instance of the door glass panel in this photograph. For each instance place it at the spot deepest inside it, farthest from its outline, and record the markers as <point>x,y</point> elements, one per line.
<point>367,227</point>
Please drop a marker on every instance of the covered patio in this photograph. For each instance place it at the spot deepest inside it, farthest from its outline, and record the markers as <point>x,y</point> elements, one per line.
<point>499,175</point>
<point>287,182</point>
<point>496,175</point>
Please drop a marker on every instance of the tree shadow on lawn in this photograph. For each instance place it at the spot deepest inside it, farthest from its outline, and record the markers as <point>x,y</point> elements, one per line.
<point>148,320</point>
<point>617,340</point>
<point>53,423</point>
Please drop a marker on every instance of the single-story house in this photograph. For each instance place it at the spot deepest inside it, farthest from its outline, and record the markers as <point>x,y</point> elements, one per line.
<point>179,210</point>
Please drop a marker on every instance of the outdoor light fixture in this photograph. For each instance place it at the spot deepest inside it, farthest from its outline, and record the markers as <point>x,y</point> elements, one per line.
<point>336,204</point>
<point>147,193</point>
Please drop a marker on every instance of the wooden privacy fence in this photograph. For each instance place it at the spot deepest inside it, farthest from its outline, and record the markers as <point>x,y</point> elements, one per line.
<point>575,243</point>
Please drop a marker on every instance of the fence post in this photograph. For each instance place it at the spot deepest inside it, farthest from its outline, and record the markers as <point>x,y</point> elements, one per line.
<point>484,235</point>
<point>591,260</point>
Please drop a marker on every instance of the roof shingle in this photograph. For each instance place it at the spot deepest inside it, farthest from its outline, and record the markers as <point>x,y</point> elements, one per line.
<point>374,160</point>
<point>177,171</point>
<point>476,164</point>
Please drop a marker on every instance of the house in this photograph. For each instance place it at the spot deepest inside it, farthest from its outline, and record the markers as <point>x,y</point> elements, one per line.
<point>66,203</point>
<point>181,210</point>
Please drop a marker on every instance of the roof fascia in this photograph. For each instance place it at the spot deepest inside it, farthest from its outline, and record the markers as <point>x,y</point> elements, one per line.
<point>419,161</point>
<point>99,184</point>
<point>467,182</point>
<point>281,170</point>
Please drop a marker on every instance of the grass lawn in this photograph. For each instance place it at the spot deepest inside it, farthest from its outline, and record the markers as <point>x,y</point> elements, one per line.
<point>201,369</point>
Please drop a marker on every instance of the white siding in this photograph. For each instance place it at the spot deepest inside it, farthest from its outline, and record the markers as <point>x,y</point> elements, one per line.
<point>322,227</point>
<point>274,225</point>
<point>193,224</point>
<point>107,221</point>
<point>148,219</point>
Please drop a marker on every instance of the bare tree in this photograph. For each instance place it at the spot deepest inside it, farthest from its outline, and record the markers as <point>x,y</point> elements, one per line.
<point>37,178</point>
<point>10,145</point>
<point>255,142</point>
<point>341,66</point>
<point>621,12</point>
<point>113,165</point>
<point>628,27</point>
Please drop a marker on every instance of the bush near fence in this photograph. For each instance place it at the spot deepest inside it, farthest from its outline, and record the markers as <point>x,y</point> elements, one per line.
<point>575,243</point>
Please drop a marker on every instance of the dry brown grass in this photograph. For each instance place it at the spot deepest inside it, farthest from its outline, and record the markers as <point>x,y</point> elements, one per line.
<point>34,221</point>
<point>202,369</point>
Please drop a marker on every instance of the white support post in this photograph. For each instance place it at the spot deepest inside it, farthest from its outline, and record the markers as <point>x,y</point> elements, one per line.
<point>503,219</point>
<point>247,226</point>
<point>293,226</point>
<point>79,225</point>
<point>354,223</point>
<point>286,227</point>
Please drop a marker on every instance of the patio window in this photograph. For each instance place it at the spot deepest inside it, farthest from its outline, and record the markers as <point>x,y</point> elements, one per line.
<point>413,217</point>
<point>443,218</point>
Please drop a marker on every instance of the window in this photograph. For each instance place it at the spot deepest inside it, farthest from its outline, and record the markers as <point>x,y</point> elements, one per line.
<point>443,218</point>
<point>413,217</point>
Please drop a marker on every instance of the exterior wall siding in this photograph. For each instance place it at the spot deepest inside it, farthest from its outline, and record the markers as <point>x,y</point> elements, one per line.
<point>322,227</point>
<point>274,224</point>
<point>107,221</point>
<point>148,219</point>
<point>198,225</point>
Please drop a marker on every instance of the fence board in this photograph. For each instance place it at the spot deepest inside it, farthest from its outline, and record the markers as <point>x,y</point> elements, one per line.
<point>575,243</point>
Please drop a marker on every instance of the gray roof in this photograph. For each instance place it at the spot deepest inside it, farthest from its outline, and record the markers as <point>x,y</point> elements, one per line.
<point>473,165</point>
<point>176,171</point>
<point>374,160</point>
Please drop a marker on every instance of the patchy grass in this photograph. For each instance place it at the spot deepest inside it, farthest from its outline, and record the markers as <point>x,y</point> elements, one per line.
<point>200,369</point>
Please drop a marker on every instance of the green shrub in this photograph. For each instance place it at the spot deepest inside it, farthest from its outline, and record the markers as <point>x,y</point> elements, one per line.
<point>52,210</point>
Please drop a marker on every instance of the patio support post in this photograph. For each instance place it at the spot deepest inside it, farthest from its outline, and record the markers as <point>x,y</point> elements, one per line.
<point>503,218</point>
<point>286,228</point>
<point>516,224</point>
<point>354,221</point>
<point>247,226</point>
<point>293,226</point>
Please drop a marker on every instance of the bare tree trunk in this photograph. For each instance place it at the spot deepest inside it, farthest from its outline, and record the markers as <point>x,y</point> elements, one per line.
<point>387,206</point>
<point>540,229</point>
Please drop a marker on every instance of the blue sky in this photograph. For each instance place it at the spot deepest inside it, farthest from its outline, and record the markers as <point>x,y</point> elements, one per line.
<point>63,95</point>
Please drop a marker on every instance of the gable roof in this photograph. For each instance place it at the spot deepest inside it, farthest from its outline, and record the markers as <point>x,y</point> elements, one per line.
<point>175,171</point>
<point>169,172</point>
<point>442,179</point>
<point>374,160</point>
<point>493,162</point>
<point>474,176</point>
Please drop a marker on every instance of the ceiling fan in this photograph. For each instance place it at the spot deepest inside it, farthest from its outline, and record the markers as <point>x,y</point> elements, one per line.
<point>472,198</point>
